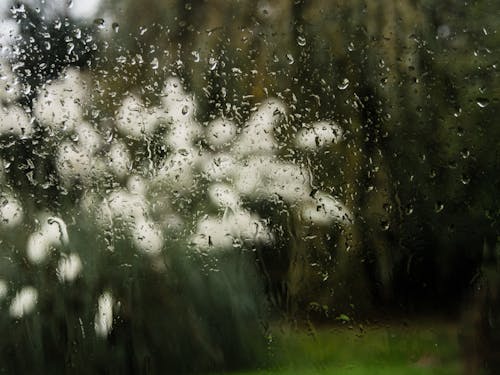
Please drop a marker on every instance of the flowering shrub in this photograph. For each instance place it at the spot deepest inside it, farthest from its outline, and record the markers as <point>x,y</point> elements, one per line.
<point>152,205</point>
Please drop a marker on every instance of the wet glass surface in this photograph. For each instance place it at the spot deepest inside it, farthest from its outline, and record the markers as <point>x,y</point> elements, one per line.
<point>249,187</point>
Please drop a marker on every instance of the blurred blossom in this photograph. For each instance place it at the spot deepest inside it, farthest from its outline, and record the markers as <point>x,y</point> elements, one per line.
<point>15,121</point>
<point>59,104</point>
<point>134,120</point>
<point>4,289</point>
<point>69,267</point>
<point>24,302</point>
<point>52,233</point>
<point>103,321</point>
<point>324,209</point>
<point>147,236</point>
<point>318,135</point>
<point>11,212</point>
<point>220,132</point>
<point>9,84</point>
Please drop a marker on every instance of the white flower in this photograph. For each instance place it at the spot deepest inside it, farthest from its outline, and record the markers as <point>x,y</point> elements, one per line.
<point>69,267</point>
<point>220,233</point>
<point>73,162</point>
<point>119,159</point>
<point>11,212</point>
<point>223,196</point>
<point>218,166</point>
<point>9,85</point>
<point>220,132</point>
<point>15,121</point>
<point>136,185</point>
<point>3,289</point>
<point>178,170</point>
<point>320,134</point>
<point>103,322</point>
<point>52,233</point>
<point>88,138</point>
<point>289,181</point>
<point>212,232</point>
<point>126,206</point>
<point>251,174</point>
<point>147,236</point>
<point>177,104</point>
<point>59,104</point>
<point>24,302</point>
<point>323,209</point>
<point>134,119</point>
<point>258,134</point>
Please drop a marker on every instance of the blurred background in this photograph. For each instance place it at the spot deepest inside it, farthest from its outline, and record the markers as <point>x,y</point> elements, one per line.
<point>208,186</point>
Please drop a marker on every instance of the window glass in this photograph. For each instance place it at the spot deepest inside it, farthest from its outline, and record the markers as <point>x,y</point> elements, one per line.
<point>221,186</point>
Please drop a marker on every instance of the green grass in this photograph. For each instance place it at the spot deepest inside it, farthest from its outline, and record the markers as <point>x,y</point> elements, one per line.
<point>418,349</point>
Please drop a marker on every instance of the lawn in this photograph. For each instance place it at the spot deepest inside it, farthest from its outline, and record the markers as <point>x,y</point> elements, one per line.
<point>410,349</point>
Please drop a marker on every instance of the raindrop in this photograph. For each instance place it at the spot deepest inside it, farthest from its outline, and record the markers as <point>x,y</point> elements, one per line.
<point>344,84</point>
<point>116,27</point>
<point>465,153</point>
<point>196,56</point>
<point>482,102</point>
<point>212,63</point>
<point>438,207</point>
<point>465,179</point>
<point>46,45</point>
<point>290,59</point>
<point>409,209</point>
<point>155,63</point>
<point>100,23</point>
<point>185,110</point>
<point>385,225</point>
<point>69,3</point>
<point>301,41</point>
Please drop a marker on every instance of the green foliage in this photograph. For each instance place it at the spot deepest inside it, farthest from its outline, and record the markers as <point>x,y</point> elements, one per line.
<point>180,312</point>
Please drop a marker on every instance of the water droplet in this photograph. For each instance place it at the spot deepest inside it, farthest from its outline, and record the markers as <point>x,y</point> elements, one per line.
<point>212,63</point>
<point>344,84</point>
<point>385,225</point>
<point>439,206</point>
<point>71,47</point>
<point>196,56</point>
<point>409,209</point>
<point>121,59</point>
<point>301,41</point>
<point>116,27</point>
<point>482,102</point>
<point>46,45</point>
<point>155,64</point>
<point>185,110</point>
<point>465,179</point>
<point>290,59</point>
<point>100,23</point>
<point>69,3</point>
